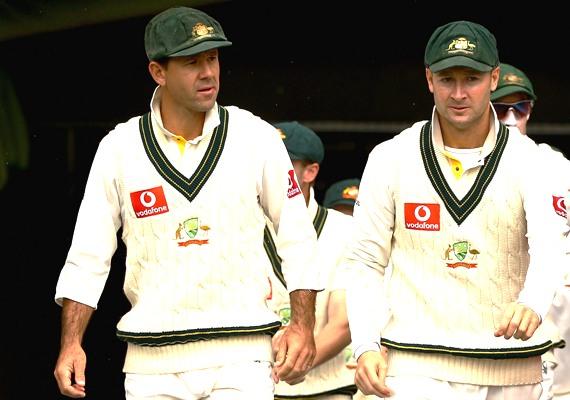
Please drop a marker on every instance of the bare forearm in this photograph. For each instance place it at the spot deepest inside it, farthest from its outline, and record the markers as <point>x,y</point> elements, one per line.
<point>303,308</point>
<point>332,340</point>
<point>335,334</point>
<point>74,319</point>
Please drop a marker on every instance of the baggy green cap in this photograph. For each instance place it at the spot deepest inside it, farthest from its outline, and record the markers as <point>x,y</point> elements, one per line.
<point>461,44</point>
<point>302,142</point>
<point>342,192</point>
<point>512,80</point>
<point>182,31</point>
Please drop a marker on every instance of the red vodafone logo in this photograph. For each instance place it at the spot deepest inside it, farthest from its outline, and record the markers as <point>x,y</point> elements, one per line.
<point>559,205</point>
<point>149,202</point>
<point>293,189</point>
<point>421,216</point>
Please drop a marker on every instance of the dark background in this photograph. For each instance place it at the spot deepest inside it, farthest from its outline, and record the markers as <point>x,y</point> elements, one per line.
<point>353,72</point>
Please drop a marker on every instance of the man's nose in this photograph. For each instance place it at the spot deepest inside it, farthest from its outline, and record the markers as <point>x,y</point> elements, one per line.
<point>510,118</point>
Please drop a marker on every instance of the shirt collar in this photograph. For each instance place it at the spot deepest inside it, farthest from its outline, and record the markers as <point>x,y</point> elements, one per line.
<point>313,206</point>
<point>210,123</point>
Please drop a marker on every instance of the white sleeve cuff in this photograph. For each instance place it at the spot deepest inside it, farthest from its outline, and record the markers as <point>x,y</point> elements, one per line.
<point>374,346</point>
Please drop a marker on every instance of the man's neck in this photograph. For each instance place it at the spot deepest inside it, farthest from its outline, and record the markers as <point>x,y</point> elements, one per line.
<point>181,121</point>
<point>468,137</point>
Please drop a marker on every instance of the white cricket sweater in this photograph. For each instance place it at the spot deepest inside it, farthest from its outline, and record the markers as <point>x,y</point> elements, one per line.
<point>558,171</point>
<point>461,249</point>
<point>195,265</point>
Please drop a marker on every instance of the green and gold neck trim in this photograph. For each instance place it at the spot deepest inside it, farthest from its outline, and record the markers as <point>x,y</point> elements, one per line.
<point>189,187</point>
<point>320,218</point>
<point>460,209</point>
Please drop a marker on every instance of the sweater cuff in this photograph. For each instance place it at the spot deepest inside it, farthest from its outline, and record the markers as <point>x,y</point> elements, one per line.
<point>373,346</point>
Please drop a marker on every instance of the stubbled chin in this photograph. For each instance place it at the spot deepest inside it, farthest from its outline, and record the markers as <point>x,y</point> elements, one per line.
<point>205,104</point>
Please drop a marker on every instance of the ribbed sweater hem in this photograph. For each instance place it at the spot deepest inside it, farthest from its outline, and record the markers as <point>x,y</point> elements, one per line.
<point>325,378</point>
<point>196,355</point>
<point>474,371</point>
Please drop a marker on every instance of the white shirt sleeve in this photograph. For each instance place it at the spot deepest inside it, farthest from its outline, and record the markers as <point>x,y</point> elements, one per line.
<point>567,203</point>
<point>94,241</point>
<point>546,235</point>
<point>368,253</point>
<point>566,173</point>
<point>284,204</point>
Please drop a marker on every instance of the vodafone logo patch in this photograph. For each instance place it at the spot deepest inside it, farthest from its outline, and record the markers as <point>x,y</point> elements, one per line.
<point>559,205</point>
<point>149,202</point>
<point>293,189</point>
<point>421,216</point>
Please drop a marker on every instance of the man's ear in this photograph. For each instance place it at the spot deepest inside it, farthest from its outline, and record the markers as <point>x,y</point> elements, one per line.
<point>310,172</point>
<point>429,78</point>
<point>157,71</point>
<point>495,73</point>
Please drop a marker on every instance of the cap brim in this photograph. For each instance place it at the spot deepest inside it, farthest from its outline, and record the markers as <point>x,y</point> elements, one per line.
<point>510,89</point>
<point>201,47</point>
<point>294,156</point>
<point>344,202</point>
<point>459,61</point>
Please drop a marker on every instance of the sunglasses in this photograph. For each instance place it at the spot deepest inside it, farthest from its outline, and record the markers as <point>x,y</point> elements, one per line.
<point>521,108</point>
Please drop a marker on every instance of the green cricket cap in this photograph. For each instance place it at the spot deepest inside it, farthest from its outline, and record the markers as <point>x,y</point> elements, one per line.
<point>512,80</point>
<point>342,192</point>
<point>302,142</point>
<point>461,44</point>
<point>182,31</point>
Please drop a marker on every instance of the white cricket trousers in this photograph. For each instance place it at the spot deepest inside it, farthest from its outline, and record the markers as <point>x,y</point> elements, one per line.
<point>238,381</point>
<point>423,388</point>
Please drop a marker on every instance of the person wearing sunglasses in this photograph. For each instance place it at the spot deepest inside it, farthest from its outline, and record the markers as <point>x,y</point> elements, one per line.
<point>514,97</point>
<point>513,101</point>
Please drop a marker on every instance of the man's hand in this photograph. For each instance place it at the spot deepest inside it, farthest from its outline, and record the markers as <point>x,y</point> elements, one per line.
<point>70,366</point>
<point>294,349</point>
<point>70,372</point>
<point>518,321</point>
<point>370,373</point>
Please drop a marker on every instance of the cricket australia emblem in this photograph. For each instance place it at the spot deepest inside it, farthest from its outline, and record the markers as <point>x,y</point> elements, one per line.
<point>461,254</point>
<point>191,232</point>
<point>285,315</point>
